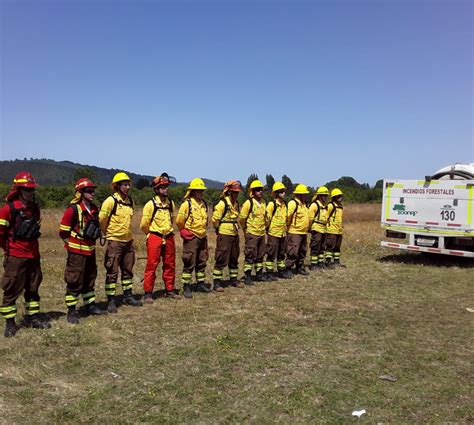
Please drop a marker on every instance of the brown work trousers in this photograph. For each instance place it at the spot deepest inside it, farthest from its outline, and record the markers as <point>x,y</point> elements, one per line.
<point>119,256</point>
<point>195,255</point>
<point>21,274</point>
<point>276,248</point>
<point>227,252</point>
<point>333,242</point>
<point>80,273</point>
<point>317,243</point>
<point>254,249</point>
<point>295,250</point>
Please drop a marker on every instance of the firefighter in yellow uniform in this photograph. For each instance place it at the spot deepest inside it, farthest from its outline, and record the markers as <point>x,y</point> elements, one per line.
<point>157,224</point>
<point>192,224</point>
<point>318,213</point>
<point>276,239</point>
<point>334,229</point>
<point>115,218</point>
<point>252,218</point>
<point>224,220</point>
<point>298,227</point>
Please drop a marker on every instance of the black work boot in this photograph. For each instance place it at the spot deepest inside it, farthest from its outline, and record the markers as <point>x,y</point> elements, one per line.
<point>301,271</point>
<point>187,291</point>
<point>287,274</point>
<point>202,287</point>
<point>111,304</point>
<point>128,299</point>
<point>35,322</point>
<point>281,274</point>
<point>313,267</point>
<point>218,285</point>
<point>248,278</point>
<point>260,276</point>
<point>173,294</point>
<point>10,328</point>
<point>234,282</point>
<point>329,264</point>
<point>72,316</point>
<point>93,310</point>
<point>148,298</point>
<point>271,276</point>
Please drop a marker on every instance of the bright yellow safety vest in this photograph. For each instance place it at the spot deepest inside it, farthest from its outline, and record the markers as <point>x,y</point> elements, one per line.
<point>157,216</point>
<point>276,217</point>
<point>335,213</point>
<point>318,216</point>
<point>225,216</point>
<point>252,217</point>
<point>298,217</point>
<point>115,218</point>
<point>192,216</point>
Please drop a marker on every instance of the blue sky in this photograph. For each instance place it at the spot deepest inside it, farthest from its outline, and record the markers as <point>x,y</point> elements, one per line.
<point>220,89</point>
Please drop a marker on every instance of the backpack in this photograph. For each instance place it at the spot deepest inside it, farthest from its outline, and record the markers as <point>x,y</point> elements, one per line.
<point>226,210</point>
<point>24,228</point>
<point>116,202</point>
<point>190,210</point>
<point>92,228</point>
<point>156,207</point>
<point>275,206</point>
<point>295,211</point>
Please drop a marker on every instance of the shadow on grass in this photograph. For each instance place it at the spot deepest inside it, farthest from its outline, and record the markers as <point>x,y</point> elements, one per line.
<point>428,259</point>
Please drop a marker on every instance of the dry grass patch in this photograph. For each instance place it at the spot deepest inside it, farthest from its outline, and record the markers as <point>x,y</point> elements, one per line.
<point>308,350</point>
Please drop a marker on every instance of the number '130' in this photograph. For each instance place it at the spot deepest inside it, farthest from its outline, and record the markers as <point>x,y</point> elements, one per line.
<point>448,215</point>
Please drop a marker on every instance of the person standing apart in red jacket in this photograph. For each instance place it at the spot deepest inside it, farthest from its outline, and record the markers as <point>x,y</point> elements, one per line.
<point>79,230</point>
<point>19,234</point>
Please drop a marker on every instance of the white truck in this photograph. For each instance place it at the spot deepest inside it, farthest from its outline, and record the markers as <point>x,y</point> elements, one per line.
<point>433,215</point>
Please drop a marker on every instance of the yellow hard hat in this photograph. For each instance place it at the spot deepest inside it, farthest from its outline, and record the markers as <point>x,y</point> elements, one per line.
<point>278,186</point>
<point>301,189</point>
<point>336,192</point>
<point>120,177</point>
<point>256,184</point>
<point>197,184</point>
<point>322,190</point>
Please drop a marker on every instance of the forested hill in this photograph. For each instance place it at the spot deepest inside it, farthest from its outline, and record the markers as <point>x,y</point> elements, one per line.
<point>51,172</point>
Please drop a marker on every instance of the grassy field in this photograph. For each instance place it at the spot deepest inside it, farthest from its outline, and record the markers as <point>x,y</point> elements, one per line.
<point>309,350</point>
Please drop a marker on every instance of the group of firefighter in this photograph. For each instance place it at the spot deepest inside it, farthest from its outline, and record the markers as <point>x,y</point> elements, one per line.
<point>275,232</point>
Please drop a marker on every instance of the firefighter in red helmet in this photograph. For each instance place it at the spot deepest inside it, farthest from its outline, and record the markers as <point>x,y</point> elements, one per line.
<point>19,234</point>
<point>79,229</point>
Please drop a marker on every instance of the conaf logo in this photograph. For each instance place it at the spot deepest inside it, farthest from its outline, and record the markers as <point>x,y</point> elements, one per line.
<point>401,210</point>
<point>447,207</point>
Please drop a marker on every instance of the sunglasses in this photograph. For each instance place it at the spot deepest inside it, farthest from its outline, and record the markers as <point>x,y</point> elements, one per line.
<point>259,189</point>
<point>89,191</point>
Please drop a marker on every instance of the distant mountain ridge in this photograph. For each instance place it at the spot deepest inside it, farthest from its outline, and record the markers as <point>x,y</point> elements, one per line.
<point>51,172</point>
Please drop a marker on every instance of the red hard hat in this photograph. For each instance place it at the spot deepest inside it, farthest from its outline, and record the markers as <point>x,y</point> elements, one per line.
<point>24,179</point>
<point>160,181</point>
<point>83,183</point>
<point>233,185</point>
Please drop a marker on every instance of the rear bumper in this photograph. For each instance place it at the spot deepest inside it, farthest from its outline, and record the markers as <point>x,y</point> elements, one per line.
<point>455,252</point>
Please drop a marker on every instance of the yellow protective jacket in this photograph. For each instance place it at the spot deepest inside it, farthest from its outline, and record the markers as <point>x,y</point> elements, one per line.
<point>276,218</point>
<point>298,217</point>
<point>335,213</point>
<point>192,215</point>
<point>157,216</point>
<point>252,217</point>
<point>115,218</point>
<point>225,216</point>
<point>318,216</point>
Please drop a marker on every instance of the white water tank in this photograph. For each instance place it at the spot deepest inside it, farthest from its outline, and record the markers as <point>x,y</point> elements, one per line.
<point>455,172</point>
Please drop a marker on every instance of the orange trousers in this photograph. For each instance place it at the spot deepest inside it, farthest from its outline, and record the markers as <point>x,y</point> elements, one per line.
<point>156,248</point>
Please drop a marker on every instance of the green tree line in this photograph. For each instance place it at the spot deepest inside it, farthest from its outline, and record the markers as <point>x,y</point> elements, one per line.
<point>58,196</point>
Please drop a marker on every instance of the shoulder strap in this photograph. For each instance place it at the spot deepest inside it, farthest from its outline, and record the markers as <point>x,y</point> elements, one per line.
<point>316,216</point>
<point>333,210</point>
